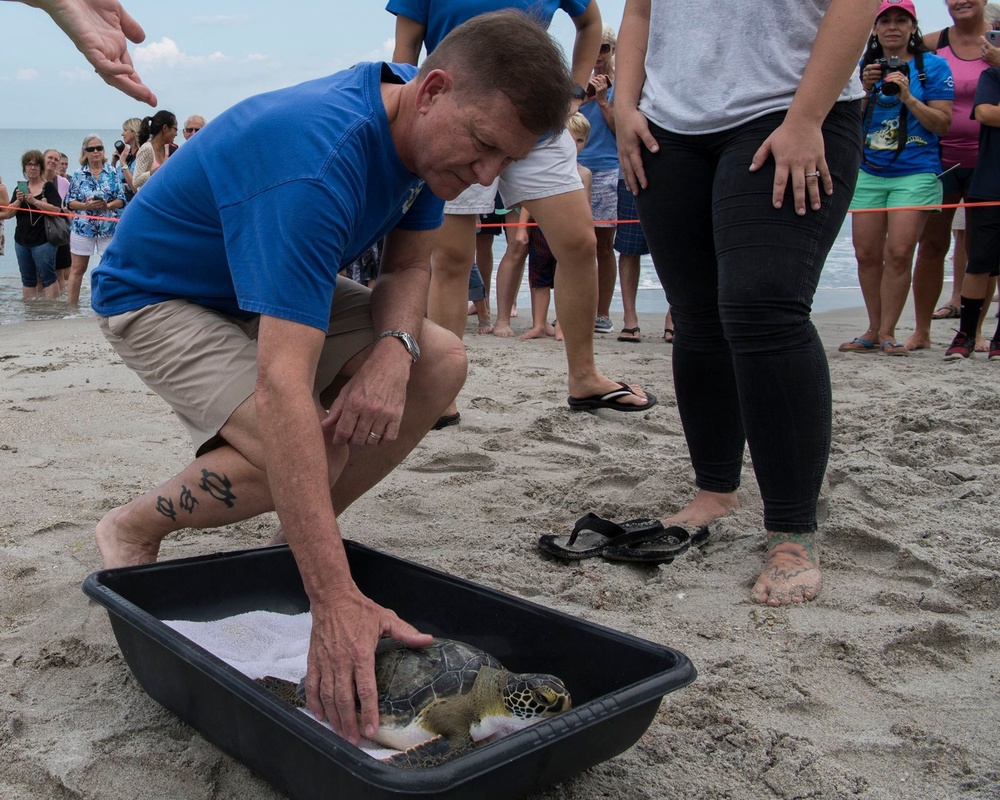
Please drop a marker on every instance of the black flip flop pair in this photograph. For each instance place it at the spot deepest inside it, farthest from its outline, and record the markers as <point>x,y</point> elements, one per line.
<point>642,540</point>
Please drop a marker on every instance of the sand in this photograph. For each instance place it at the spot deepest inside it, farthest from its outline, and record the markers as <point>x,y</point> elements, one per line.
<point>888,686</point>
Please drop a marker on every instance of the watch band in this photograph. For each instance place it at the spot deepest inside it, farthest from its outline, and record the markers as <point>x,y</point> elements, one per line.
<point>408,342</point>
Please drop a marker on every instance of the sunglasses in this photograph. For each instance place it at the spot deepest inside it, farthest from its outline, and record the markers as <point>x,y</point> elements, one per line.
<point>191,130</point>
<point>605,48</point>
<point>97,148</point>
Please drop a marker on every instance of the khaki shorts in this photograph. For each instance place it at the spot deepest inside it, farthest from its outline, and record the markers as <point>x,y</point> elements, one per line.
<point>204,363</point>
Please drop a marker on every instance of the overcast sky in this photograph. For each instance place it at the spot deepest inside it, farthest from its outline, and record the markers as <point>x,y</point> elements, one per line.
<point>202,57</point>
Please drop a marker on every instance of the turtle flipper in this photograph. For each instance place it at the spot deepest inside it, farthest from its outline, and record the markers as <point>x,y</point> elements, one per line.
<point>286,690</point>
<point>429,754</point>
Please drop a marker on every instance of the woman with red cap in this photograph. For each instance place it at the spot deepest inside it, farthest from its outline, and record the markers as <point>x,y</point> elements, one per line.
<point>907,109</point>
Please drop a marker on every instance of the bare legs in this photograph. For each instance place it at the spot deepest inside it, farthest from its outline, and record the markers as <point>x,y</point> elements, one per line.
<point>451,263</point>
<point>78,266</point>
<point>628,279</point>
<point>230,483</point>
<point>509,275</point>
<point>607,272</point>
<point>883,245</point>
<point>928,272</point>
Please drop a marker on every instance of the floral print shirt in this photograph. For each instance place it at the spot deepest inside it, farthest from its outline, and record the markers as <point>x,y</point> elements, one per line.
<point>84,186</point>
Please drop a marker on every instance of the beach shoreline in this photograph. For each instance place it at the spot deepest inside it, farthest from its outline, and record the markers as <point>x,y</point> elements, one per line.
<point>885,687</point>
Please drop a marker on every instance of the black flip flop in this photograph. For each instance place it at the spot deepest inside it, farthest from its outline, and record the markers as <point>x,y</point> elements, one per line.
<point>659,548</point>
<point>611,400</point>
<point>593,533</point>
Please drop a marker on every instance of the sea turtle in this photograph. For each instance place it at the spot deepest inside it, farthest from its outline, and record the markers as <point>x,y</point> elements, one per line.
<point>435,702</point>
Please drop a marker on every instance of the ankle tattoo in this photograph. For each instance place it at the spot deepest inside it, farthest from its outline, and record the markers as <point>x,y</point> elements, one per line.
<point>807,541</point>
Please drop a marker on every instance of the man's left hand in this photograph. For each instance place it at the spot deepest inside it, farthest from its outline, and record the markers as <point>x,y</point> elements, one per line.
<point>369,409</point>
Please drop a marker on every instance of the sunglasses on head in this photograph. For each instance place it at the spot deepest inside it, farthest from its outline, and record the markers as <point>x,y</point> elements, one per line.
<point>97,148</point>
<point>605,48</point>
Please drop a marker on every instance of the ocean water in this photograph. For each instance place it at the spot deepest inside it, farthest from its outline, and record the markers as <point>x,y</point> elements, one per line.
<point>838,286</point>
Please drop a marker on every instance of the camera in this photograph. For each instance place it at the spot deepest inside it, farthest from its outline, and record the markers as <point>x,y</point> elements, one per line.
<point>892,64</point>
<point>119,146</point>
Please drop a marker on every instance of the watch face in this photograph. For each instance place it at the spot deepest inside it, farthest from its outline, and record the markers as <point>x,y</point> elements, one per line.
<point>579,93</point>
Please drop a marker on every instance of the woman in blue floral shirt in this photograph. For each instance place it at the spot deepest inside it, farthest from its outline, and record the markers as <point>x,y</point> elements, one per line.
<point>95,194</point>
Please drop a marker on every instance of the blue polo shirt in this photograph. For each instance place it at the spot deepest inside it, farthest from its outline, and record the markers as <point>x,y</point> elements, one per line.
<point>259,211</point>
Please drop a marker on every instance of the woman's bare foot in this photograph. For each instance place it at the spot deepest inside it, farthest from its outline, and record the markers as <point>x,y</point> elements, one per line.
<point>485,326</point>
<point>503,330</point>
<point>119,547</point>
<point>705,508</point>
<point>557,328</point>
<point>791,570</point>
<point>538,333</point>
<point>915,342</point>
<point>982,345</point>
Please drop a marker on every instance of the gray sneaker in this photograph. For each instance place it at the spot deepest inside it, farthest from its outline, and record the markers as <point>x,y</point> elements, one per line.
<point>603,325</point>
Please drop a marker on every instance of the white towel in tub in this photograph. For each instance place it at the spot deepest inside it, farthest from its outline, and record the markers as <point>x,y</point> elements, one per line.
<point>261,643</point>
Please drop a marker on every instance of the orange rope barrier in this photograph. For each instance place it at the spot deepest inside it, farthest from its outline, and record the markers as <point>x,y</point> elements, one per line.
<point>70,214</point>
<point>73,215</point>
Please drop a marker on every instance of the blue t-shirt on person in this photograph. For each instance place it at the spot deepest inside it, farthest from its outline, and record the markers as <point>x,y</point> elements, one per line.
<point>920,153</point>
<point>601,150</point>
<point>447,15</point>
<point>259,211</point>
<point>985,184</point>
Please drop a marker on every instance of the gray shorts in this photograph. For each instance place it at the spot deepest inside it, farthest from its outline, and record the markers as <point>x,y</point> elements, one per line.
<point>204,363</point>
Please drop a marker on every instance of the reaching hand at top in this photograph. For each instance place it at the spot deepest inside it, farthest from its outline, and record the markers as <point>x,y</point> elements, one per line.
<point>101,30</point>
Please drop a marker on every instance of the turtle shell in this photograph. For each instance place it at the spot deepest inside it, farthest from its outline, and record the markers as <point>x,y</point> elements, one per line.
<point>411,679</point>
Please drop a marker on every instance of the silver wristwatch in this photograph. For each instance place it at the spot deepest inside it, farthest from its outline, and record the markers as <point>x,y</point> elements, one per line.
<point>408,342</point>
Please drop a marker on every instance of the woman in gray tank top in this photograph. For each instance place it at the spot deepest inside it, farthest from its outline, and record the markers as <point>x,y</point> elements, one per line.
<point>739,130</point>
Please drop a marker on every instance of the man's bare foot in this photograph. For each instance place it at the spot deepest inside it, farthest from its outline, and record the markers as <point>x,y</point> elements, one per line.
<point>503,330</point>
<point>538,333</point>
<point>119,548</point>
<point>791,570</point>
<point>485,326</point>
<point>472,309</point>
<point>705,508</point>
<point>513,311</point>
<point>915,342</point>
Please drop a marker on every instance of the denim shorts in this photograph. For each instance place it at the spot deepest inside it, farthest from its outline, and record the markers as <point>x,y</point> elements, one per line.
<point>873,191</point>
<point>36,262</point>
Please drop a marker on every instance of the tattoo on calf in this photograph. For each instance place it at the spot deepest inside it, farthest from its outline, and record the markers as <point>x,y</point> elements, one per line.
<point>166,507</point>
<point>188,500</point>
<point>219,486</point>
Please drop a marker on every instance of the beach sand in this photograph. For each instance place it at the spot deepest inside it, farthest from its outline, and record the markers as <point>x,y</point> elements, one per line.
<point>888,686</point>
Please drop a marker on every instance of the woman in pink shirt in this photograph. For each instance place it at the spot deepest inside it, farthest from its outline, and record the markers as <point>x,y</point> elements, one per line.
<point>964,47</point>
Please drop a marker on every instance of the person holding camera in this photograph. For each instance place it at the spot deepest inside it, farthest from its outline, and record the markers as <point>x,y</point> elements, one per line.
<point>123,159</point>
<point>907,108</point>
<point>95,194</point>
<point>36,257</point>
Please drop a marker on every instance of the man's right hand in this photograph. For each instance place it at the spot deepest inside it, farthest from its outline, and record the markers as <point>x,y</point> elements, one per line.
<point>341,661</point>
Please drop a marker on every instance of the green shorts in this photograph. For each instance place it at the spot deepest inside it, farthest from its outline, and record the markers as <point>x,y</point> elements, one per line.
<point>922,189</point>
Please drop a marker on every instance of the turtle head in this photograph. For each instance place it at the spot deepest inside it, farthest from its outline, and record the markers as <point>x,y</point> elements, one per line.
<point>532,697</point>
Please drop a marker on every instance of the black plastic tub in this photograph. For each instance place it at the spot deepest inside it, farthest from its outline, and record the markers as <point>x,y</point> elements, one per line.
<point>617,681</point>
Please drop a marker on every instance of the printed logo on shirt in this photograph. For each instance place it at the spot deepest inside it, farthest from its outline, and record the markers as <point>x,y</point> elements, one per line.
<point>413,196</point>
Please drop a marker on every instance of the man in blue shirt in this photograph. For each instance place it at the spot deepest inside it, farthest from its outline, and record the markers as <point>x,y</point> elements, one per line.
<point>221,292</point>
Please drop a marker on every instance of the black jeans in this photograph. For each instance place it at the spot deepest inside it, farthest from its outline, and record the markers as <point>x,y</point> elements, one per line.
<point>740,276</point>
